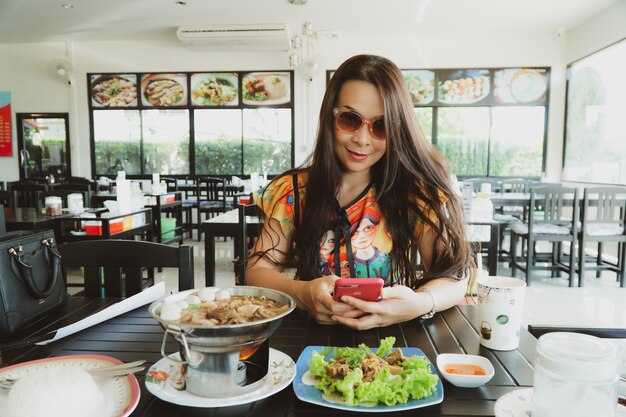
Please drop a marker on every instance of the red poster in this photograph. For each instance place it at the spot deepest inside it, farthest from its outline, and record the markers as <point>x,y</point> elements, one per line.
<point>6,131</point>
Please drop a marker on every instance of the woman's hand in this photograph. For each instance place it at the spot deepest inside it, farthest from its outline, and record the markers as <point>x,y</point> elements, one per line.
<point>399,304</point>
<point>316,298</point>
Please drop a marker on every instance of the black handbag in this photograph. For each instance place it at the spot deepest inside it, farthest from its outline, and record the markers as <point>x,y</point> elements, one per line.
<point>31,281</point>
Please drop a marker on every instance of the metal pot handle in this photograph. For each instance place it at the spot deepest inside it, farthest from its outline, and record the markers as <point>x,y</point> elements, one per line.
<point>185,346</point>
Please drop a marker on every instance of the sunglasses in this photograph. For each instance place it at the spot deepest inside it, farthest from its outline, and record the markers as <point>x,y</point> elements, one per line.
<point>349,121</point>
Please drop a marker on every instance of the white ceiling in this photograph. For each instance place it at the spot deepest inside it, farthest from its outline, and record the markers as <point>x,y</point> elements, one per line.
<point>99,20</point>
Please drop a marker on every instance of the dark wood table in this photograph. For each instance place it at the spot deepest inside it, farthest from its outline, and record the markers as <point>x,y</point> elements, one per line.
<point>28,218</point>
<point>135,335</point>
<point>226,224</point>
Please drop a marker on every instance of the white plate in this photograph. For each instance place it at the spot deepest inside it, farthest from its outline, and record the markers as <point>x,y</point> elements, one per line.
<point>307,392</point>
<point>519,403</point>
<point>122,394</point>
<point>281,373</point>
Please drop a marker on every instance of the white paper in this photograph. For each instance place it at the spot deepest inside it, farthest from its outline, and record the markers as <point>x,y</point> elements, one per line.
<point>146,296</point>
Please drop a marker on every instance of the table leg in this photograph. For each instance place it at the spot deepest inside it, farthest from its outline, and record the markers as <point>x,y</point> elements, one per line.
<point>209,258</point>
<point>494,248</point>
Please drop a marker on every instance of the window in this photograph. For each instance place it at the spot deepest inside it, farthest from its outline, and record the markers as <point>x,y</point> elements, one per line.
<point>594,131</point>
<point>184,124</point>
<point>487,121</point>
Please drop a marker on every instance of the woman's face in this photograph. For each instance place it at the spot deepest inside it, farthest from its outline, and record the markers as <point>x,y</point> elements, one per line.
<point>359,151</point>
<point>363,237</point>
<point>328,244</point>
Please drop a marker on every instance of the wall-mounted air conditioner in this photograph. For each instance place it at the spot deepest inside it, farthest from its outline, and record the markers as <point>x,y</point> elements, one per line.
<point>253,37</point>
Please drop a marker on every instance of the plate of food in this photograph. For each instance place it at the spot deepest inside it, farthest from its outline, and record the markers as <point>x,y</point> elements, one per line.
<point>164,90</point>
<point>421,85</point>
<point>61,386</point>
<point>464,87</point>
<point>266,88</point>
<point>367,380</point>
<point>116,90</point>
<point>214,89</point>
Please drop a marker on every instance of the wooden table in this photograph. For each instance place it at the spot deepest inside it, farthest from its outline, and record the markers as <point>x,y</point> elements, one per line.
<point>28,218</point>
<point>226,224</point>
<point>135,335</point>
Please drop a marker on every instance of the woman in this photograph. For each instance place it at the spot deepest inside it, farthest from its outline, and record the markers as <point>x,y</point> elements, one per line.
<point>369,157</point>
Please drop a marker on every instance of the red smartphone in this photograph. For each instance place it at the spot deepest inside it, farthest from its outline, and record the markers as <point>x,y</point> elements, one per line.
<point>368,289</point>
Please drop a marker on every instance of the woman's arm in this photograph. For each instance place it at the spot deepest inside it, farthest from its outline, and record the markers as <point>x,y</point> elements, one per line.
<point>313,296</point>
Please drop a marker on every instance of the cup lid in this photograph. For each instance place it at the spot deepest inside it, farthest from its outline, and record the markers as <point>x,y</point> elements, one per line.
<point>578,357</point>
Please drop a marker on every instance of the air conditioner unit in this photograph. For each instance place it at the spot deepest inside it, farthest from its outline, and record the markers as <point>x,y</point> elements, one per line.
<point>253,37</point>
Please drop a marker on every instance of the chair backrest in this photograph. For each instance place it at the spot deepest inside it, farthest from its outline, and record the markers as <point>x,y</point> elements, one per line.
<point>554,204</point>
<point>7,199</point>
<point>77,186</point>
<point>125,258</point>
<point>604,205</point>
<point>27,194</point>
<point>515,185</point>
<point>81,180</point>
<point>211,190</point>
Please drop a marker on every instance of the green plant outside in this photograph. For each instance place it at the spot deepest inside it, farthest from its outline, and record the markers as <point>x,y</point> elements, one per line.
<point>221,156</point>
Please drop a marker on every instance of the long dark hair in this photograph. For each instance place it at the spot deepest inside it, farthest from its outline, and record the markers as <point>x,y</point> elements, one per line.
<point>410,171</point>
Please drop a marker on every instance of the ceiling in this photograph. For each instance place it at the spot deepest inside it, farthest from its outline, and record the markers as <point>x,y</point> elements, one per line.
<point>26,21</point>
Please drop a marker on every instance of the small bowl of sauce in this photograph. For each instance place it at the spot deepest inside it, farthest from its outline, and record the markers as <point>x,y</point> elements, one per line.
<point>467,371</point>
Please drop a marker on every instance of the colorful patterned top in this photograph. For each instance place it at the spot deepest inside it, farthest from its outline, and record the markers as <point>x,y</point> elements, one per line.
<point>366,253</point>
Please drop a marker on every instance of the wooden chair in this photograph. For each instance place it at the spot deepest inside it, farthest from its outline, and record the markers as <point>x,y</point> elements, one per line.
<point>211,194</point>
<point>602,223</point>
<point>510,215</point>
<point>190,201</point>
<point>28,194</point>
<point>122,262</point>
<point>552,217</point>
<point>82,181</point>
<point>7,199</point>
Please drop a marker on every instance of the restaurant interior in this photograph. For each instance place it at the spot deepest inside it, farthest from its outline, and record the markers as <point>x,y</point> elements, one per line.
<point>157,120</point>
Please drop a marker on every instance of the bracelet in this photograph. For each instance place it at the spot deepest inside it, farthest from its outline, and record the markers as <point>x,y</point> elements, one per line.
<point>432,312</point>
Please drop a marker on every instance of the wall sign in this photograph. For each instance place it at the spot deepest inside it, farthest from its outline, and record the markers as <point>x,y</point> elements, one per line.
<point>6,130</point>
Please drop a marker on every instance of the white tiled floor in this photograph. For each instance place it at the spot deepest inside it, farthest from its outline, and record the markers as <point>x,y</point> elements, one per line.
<point>549,301</point>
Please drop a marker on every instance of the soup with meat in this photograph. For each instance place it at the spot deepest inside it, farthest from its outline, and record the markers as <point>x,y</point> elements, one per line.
<point>218,308</point>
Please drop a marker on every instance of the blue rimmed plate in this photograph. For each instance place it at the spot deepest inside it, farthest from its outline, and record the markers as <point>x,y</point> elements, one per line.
<point>307,392</point>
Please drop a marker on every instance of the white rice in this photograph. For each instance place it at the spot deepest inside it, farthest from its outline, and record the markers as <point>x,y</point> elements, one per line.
<point>54,392</point>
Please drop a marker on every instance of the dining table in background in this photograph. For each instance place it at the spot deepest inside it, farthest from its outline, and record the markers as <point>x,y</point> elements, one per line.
<point>225,224</point>
<point>29,218</point>
<point>136,335</point>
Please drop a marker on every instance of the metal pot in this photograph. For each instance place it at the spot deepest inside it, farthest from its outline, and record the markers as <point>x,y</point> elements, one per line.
<point>210,354</point>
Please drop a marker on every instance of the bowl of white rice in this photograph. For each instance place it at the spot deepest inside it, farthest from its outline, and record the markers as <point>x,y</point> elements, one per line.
<point>61,387</point>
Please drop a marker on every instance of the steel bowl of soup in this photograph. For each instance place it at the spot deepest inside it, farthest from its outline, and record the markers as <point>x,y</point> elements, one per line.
<point>217,329</point>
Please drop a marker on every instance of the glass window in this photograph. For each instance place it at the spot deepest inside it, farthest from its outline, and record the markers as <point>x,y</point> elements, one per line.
<point>217,135</point>
<point>166,141</point>
<point>266,140</point>
<point>117,138</point>
<point>463,137</point>
<point>516,141</point>
<point>425,121</point>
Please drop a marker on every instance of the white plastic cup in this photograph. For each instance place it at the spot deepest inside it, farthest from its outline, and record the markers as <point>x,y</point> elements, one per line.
<point>575,376</point>
<point>500,310</point>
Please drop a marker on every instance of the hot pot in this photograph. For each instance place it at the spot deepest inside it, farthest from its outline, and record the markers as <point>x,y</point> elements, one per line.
<point>211,356</point>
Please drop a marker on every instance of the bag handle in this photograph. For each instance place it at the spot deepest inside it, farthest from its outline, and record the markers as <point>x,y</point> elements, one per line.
<point>23,270</point>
